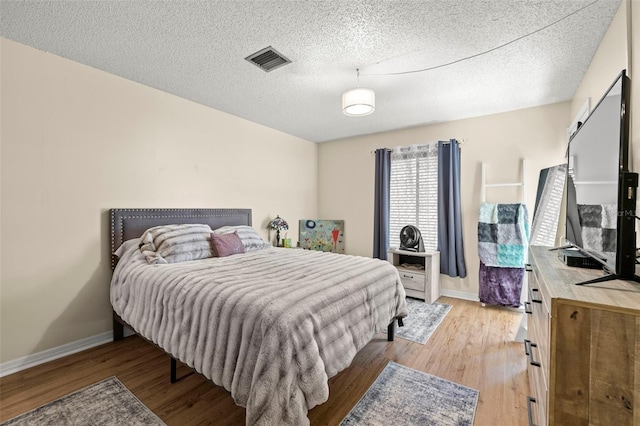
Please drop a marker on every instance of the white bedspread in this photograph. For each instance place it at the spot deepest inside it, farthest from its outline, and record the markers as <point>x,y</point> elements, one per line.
<point>270,326</point>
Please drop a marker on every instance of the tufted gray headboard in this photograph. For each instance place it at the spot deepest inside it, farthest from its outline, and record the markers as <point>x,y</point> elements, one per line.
<point>131,223</point>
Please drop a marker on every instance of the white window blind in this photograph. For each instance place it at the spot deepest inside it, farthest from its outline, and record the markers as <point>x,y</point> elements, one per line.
<point>414,193</point>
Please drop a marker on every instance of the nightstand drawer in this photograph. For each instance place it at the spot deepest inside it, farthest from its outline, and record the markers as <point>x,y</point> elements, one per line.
<point>412,280</point>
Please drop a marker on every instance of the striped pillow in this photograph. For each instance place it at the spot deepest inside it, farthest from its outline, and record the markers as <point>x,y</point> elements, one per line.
<point>249,237</point>
<point>176,243</point>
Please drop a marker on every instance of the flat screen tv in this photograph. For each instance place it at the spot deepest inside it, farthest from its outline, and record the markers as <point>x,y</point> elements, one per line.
<point>601,190</point>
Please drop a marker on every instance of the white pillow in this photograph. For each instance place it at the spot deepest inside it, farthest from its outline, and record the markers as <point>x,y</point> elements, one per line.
<point>176,243</point>
<point>124,247</point>
<point>249,237</point>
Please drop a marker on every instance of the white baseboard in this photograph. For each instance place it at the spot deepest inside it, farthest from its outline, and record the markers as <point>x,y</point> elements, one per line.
<point>459,295</point>
<point>38,358</point>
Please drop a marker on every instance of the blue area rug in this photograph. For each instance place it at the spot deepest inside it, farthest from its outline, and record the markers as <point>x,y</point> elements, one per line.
<point>403,396</point>
<point>422,320</point>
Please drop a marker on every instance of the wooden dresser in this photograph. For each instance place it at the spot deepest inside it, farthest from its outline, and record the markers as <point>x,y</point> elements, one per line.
<point>583,346</point>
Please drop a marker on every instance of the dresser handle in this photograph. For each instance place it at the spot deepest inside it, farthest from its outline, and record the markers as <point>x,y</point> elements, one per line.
<point>533,299</point>
<point>527,305</point>
<point>529,411</point>
<point>527,350</point>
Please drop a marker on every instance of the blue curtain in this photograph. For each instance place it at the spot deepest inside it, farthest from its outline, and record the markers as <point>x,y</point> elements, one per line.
<point>450,242</point>
<point>381,206</point>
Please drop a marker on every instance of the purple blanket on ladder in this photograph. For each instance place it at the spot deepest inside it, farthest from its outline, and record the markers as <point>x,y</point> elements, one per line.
<point>500,286</point>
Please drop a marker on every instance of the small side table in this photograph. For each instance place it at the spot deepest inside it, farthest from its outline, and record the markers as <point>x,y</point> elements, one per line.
<point>421,274</point>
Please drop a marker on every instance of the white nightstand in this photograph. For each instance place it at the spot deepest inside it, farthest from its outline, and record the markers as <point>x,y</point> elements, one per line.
<point>421,276</point>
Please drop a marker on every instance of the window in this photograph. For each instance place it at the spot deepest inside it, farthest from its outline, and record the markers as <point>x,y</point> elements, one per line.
<point>413,198</point>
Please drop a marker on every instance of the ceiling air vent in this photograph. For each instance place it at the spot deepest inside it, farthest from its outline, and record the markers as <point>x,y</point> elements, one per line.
<point>268,59</point>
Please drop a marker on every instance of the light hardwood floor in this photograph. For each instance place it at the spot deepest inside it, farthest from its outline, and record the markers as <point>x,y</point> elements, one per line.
<point>473,346</point>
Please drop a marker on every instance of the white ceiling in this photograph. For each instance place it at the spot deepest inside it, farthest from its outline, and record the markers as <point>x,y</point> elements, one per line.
<point>196,50</point>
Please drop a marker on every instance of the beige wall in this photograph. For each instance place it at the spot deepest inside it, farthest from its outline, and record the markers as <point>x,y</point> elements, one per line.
<point>346,172</point>
<point>77,141</point>
<point>607,63</point>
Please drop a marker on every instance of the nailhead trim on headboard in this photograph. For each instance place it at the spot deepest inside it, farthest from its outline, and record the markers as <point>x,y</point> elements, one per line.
<point>124,219</point>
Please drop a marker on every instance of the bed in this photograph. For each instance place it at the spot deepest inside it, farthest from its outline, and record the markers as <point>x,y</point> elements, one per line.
<point>271,325</point>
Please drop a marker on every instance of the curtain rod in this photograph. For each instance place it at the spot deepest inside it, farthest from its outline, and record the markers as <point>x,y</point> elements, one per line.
<point>460,142</point>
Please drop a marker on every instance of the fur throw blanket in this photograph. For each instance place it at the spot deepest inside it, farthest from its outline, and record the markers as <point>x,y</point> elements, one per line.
<point>271,326</point>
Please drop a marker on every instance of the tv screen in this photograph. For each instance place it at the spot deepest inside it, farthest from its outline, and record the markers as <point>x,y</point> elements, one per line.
<point>597,161</point>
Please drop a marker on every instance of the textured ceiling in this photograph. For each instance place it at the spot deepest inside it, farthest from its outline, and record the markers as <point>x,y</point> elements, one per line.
<point>196,50</point>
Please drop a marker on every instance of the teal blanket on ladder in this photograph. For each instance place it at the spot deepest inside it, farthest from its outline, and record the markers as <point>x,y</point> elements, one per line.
<point>503,235</point>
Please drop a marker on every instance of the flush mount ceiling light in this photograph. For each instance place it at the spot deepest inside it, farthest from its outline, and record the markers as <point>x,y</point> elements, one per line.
<point>359,101</point>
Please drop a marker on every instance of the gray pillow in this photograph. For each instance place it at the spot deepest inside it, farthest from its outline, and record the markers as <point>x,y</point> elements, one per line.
<point>176,243</point>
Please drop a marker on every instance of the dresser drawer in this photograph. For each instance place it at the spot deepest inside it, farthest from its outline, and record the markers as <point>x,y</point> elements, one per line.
<point>539,332</point>
<point>537,351</point>
<point>412,280</point>
<point>538,385</point>
<point>537,409</point>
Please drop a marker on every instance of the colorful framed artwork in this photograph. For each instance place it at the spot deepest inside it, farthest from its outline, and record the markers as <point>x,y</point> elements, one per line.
<point>322,235</point>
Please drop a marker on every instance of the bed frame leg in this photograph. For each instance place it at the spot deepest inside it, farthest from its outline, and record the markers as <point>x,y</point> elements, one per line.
<point>174,377</point>
<point>391,330</point>
<point>118,330</point>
